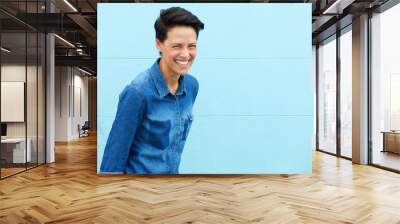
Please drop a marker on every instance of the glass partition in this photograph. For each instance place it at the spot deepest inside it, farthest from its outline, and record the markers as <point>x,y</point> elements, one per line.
<point>31,100</point>
<point>13,105</point>
<point>41,91</point>
<point>22,77</point>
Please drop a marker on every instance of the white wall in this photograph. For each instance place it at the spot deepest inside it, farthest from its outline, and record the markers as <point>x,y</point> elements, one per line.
<point>61,103</point>
<point>71,93</point>
<point>80,103</point>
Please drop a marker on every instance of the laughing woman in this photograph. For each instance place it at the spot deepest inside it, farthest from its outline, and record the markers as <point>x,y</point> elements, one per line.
<point>154,112</point>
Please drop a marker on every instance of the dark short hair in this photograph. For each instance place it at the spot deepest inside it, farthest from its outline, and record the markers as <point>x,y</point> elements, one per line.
<point>175,16</point>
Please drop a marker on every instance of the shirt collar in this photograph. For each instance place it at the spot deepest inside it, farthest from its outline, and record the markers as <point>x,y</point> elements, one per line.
<point>160,83</point>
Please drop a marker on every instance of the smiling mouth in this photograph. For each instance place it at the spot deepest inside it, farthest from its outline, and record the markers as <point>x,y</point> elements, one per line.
<point>182,63</point>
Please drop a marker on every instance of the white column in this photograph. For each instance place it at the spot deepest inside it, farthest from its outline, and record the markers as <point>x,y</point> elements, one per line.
<point>50,110</point>
<point>50,92</point>
<point>360,90</point>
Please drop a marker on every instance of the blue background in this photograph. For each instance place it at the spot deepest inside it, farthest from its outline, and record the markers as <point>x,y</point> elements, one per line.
<point>253,112</point>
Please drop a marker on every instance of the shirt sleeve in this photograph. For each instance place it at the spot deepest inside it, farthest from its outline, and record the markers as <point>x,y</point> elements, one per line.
<point>129,116</point>
<point>195,89</point>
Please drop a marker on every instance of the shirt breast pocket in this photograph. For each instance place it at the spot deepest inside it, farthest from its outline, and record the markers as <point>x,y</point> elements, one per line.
<point>158,134</point>
<point>188,125</point>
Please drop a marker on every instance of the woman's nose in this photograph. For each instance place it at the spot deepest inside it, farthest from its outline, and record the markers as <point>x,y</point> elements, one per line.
<point>185,53</point>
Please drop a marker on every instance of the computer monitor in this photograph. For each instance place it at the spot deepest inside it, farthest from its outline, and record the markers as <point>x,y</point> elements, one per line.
<point>3,129</point>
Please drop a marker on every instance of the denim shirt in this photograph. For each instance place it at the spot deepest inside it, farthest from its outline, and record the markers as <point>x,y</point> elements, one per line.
<point>151,125</point>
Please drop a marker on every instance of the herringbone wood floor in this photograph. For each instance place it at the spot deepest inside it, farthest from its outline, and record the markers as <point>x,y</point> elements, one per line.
<point>70,191</point>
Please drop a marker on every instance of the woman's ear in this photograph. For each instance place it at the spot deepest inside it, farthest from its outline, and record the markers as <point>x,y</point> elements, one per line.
<point>159,46</point>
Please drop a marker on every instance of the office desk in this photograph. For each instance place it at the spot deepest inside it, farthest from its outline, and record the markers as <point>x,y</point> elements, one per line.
<point>391,141</point>
<point>16,147</point>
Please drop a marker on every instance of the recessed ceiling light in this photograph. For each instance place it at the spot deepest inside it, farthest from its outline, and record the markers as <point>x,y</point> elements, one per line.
<point>65,41</point>
<point>84,71</point>
<point>5,50</point>
<point>337,7</point>
<point>70,5</point>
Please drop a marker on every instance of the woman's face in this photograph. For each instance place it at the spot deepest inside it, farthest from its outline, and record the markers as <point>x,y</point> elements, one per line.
<point>178,50</point>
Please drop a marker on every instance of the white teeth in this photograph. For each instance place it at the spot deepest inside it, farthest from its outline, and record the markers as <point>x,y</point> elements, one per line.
<point>182,62</point>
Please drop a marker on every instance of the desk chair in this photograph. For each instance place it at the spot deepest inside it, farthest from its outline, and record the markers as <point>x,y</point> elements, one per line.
<point>84,130</point>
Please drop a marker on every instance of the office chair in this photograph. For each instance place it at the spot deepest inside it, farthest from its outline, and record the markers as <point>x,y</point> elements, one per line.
<point>84,130</point>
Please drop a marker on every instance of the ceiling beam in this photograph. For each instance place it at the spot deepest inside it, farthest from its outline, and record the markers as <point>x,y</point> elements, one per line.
<point>83,61</point>
<point>86,26</point>
<point>338,6</point>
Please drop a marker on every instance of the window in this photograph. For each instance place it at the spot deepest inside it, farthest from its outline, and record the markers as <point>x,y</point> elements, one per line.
<point>346,93</point>
<point>385,89</point>
<point>327,96</point>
